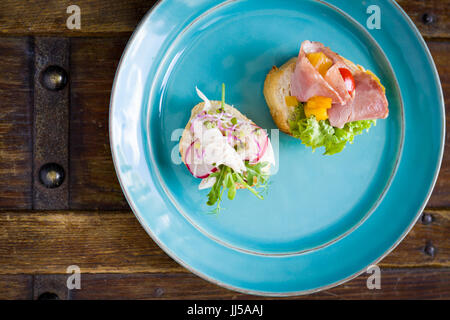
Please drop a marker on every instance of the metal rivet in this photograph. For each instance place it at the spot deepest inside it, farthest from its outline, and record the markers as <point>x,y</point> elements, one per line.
<point>48,296</point>
<point>159,292</point>
<point>430,249</point>
<point>428,18</point>
<point>51,175</point>
<point>427,218</point>
<point>54,78</point>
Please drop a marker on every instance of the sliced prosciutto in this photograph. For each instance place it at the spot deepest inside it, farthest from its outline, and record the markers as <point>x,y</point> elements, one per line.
<point>368,103</point>
<point>307,82</point>
<point>355,93</point>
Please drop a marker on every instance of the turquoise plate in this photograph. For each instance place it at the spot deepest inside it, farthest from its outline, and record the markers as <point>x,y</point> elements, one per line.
<point>325,219</point>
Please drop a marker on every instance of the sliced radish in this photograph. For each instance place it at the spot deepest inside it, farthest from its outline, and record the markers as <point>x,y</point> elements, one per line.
<point>262,141</point>
<point>263,149</point>
<point>195,164</point>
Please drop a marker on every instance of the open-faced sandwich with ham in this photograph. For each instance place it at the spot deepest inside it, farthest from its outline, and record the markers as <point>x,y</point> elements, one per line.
<point>226,150</point>
<point>324,99</point>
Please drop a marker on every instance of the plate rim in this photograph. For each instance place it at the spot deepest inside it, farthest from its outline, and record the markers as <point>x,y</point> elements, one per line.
<point>400,238</point>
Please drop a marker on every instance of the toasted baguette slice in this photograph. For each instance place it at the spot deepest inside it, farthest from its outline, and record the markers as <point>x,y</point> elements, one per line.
<point>276,87</point>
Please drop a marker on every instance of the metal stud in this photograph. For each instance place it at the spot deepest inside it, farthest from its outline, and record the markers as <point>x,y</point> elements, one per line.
<point>430,249</point>
<point>48,296</point>
<point>427,218</point>
<point>428,18</point>
<point>159,292</point>
<point>51,175</point>
<point>54,78</point>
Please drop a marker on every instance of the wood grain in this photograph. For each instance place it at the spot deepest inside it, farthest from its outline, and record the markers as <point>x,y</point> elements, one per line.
<point>48,242</point>
<point>16,74</point>
<point>396,283</point>
<point>411,252</point>
<point>93,183</point>
<point>16,287</point>
<point>18,17</point>
<point>42,17</point>
<point>438,9</point>
<point>441,193</point>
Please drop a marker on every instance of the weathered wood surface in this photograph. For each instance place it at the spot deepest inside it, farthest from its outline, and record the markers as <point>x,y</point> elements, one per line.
<point>114,242</point>
<point>93,182</point>
<point>421,11</point>
<point>16,100</point>
<point>16,287</point>
<point>39,17</point>
<point>441,55</point>
<point>18,17</point>
<point>395,284</point>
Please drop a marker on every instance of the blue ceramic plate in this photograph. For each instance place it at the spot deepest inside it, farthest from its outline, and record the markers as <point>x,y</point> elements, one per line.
<point>325,218</point>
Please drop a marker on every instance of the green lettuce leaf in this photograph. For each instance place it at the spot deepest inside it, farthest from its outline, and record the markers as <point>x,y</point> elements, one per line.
<point>316,134</point>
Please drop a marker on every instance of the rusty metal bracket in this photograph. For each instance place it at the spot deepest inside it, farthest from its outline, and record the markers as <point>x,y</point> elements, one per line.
<point>51,124</point>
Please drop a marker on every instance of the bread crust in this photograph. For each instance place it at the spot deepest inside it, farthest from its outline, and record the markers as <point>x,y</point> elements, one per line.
<point>276,87</point>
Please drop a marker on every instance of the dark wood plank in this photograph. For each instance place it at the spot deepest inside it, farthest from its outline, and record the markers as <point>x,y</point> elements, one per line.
<point>114,242</point>
<point>102,17</point>
<point>395,283</point>
<point>438,26</point>
<point>401,283</point>
<point>426,245</point>
<point>19,17</point>
<point>441,193</point>
<point>16,287</point>
<point>49,242</point>
<point>93,182</point>
<point>16,74</point>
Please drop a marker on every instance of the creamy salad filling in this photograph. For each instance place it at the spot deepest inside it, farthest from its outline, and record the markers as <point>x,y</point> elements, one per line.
<point>220,138</point>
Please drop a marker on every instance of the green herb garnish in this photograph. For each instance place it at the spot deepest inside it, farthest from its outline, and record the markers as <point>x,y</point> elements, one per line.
<point>253,179</point>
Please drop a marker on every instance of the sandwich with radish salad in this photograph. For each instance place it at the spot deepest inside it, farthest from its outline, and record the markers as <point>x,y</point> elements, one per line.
<point>226,150</point>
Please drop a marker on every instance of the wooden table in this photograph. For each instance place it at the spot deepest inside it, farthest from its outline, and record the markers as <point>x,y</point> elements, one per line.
<point>86,221</point>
